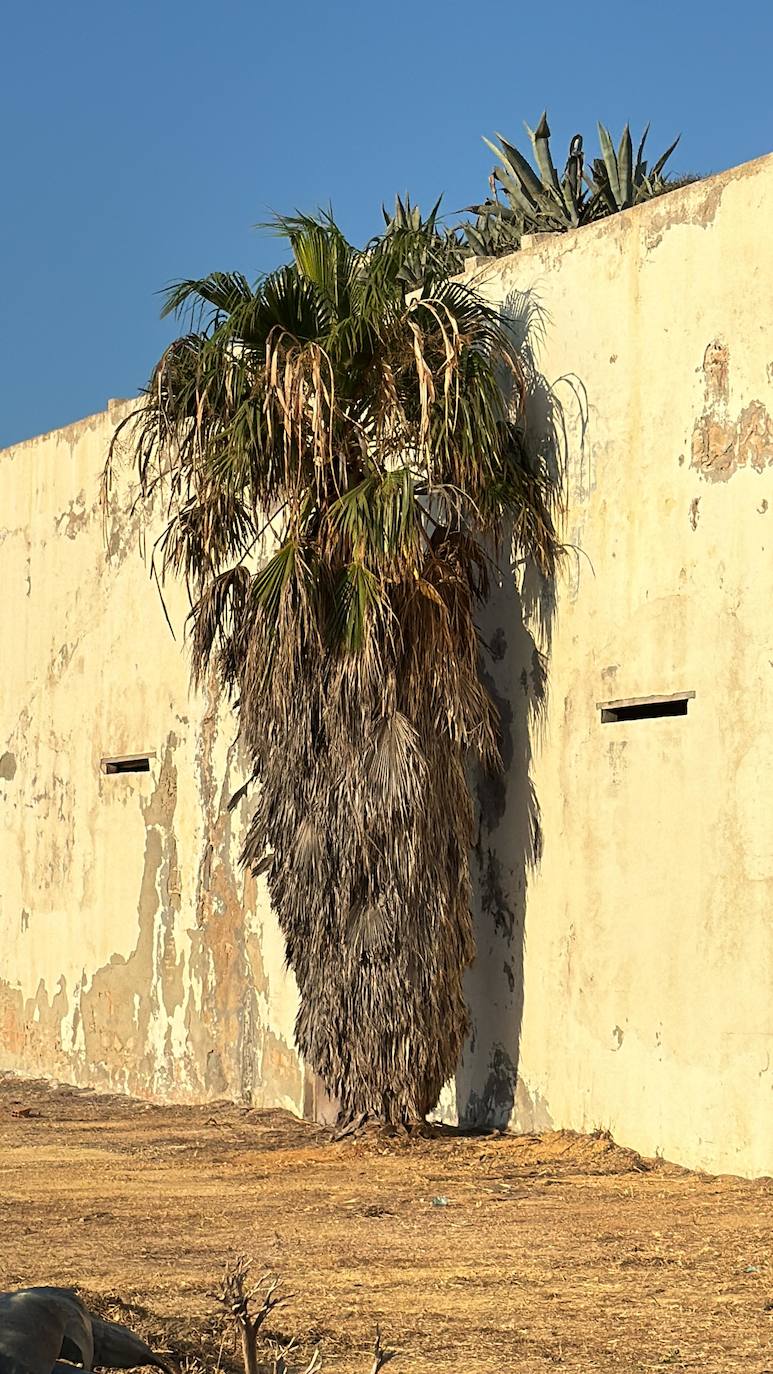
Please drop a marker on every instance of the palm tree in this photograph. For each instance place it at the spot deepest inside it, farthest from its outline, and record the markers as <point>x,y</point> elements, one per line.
<point>342,451</point>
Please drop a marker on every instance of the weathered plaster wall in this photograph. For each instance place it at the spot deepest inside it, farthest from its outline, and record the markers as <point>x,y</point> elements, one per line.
<point>623,873</point>
<point>136,954</point>
<point>633,985</point>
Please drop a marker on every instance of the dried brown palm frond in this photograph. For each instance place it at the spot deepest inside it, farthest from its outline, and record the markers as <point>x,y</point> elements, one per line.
<point>378,431</point>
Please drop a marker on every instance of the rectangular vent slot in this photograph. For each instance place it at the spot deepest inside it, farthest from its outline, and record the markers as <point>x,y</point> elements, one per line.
<point>128,763</point>
<point>644,708</point>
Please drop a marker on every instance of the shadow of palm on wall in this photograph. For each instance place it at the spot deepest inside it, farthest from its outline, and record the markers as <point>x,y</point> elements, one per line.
<point>517,627</point>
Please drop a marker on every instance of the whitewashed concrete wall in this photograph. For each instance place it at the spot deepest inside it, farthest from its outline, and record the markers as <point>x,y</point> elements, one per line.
<point>625,981</point>
<point>623,872</point>
<point>135,953</point>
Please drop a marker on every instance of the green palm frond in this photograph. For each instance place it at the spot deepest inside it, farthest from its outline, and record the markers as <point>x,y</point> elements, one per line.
<point>222,291</point>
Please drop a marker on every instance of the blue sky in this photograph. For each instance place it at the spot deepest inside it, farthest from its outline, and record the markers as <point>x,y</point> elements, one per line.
<point>143,141</point>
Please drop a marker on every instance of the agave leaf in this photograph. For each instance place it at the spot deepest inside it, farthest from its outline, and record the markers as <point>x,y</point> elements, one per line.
<point>494,211</point>
<point>572,188</point>
<point>610,162</point>
<point>640,170</point>
<point>663,159</point>
<point>590,210</point>
<point>573,206</point>
<point>540,140</point>
<point>553,210</point>
<point>553,188</point>
<point>624,168</point>
<point>475,241</point>
<point>601,186</point>
<point>519,164</point>
<point>515,191</point>
<point>431,220</point>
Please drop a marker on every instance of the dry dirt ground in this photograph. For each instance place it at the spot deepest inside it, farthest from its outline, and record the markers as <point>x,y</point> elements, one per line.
<point>497,1253</point>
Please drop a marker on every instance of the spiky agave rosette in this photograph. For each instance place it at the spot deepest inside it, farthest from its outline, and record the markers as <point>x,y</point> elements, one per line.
<point>546,201</point>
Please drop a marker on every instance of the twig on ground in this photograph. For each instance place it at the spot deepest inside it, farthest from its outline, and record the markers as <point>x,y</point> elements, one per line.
<point>381,1355</point>
<point>236,1299</point>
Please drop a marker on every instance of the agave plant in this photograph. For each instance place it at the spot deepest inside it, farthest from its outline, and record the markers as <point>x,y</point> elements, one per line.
<point>340,457</point>
<point>541,201</point>
<point>494,233</point>
<point>618,181</point>
<point>430,249</point>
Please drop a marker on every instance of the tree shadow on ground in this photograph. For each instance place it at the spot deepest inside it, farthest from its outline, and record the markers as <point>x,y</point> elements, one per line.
<point>516,628</point>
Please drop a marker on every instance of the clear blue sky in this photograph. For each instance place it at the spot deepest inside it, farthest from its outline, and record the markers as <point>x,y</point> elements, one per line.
<point>142,141</point>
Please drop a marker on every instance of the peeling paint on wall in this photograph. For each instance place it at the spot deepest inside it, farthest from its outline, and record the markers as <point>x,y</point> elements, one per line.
<point>136,958</point>
<point>720,444</point>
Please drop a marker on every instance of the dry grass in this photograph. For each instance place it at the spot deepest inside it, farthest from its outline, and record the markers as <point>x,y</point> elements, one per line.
<point>496,1254</point>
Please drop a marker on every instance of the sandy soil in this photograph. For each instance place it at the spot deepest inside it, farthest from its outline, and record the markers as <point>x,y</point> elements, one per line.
<point>497,1253</point>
